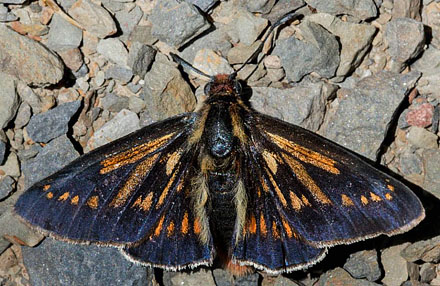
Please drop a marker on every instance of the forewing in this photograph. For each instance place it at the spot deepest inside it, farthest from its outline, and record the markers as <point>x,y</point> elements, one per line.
<point>115,194</point>
<point>268,242</point>
<point>327,194</point>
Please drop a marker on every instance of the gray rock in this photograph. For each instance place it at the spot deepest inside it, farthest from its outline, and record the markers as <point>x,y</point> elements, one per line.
<point>408,45</point>
<point>60,263</point>
<point>282,6</point>
<point>9,99</point>
<point>28,60</point>
<point>410,163</point>
<point>259,6</point>
<point>422,138</point>
<point>355,40</point>
<point>29,153</point>
<point>12,1</point>
<point>364,264</point>
<point>51,124</point>
<point>407,9</point>
<point>113,6</point>
<point>2,151</point>
<point>413,271</point>
<point>122,74</point>
<point>430,18</point>
<point>203,5</point>
<point>23,115</point>
<point>394,265</point>
<point>429,62</point>
<point>5,15</point>
<point>211,63</point>
<point>241,52</point>
<point>246,27</point>
<point>427,272</point>
<point>63,35</point>
<point>11,166</point>
<point>94,18</point>
<point>113,50</point>
<point>425,250</point>
<point>302,105</point>
<point>217,40</point>
<point>66,4</point>
<point>360,117</point>
<point>319,52</point>
<point>114,103</point>
<point>28,96</point>
<point>362,9</point>
<point>199,277</point>
<point>165,92</point>
<point>127,20</point>
<point>136,104</point>
<point>122,124</point>
<point>247,280</point>
<point>142,34</point>
<point>140,58</point>
<point>431,167</point>
<point>6,187</point>
<point>134,88</point>
<point>339,276</point>
<point>167,13</point>
<point>55,155</point>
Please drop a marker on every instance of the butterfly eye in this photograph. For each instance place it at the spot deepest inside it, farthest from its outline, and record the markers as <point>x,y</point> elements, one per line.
<point>207,89</point>
<point>237,87</point>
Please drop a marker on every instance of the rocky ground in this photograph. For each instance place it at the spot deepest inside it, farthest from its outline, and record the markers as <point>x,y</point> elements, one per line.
<point>75,75</point>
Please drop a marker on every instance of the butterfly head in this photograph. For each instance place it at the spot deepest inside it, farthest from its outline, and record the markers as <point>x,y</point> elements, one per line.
<point>223,85</point>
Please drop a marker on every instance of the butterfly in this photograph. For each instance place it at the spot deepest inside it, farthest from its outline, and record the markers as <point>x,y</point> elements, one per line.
<point>223,181</point>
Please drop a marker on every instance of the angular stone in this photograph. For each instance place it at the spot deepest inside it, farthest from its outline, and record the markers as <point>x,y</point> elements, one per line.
<point>364,264</point>
<point>407,9</point>
<point>6,187</point>
<point>241,52</point>
<point>72,264</point>
<point>142,34</point>
<point>360,117</point>
<point>319,52</point>
<point>63,35</point>
<point>408,45</point>
<point>5,15</point>
<point>114,103</point>
<point>197,278</point>
<point>127,20</point>
<point>2,151</point>
<point>95,19</point>
<point>210,63</point>
<point>422,138</point>
<point>425,250</point>
<point>394,265</point>
<point>140,58</point>
<point>16,231</point>
<point>48,125</point>
<point>167,13</point>
<point>28,60</point>
<point>246,27</point>
<point>303,105</point>
<point>55,155</point>
<point>410,163</point>
<point>122,124</point>
<point>9,99</point>
<point>23,115</point>
<point>122,74</point>
<point>362,9</point>
<point>355,40</point>
<point>339,276</point>
<point>430,19</point>
<point>113,50</point>
<point>166,92</point>
<point>427,272</point>
<point>203,5</point>
<point>431,166</point>
<point>28,96</point>
<point>11,166</point>
<point>420,116</point>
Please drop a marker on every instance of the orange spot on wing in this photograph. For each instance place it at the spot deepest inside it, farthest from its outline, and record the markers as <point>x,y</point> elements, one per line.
<point>46,187</point>
<point>388,196</point>
<point>263,227</point>
<point>165,191</point>
<point>74,201</point>
<point>64,196</point>
<point>170,229</point>
<point>270,161</point>
<point>252,225</point>
<point>390,187</point>
<point>172,161</point>
<point>364,200</point>
<point>275,232</point>
<point>305,201</point>
<point>144,204</point>
<point>49,195</point>
<point>296,202</point>
<point>346,201</point>
<point>184,228</point>
<point>374,197</point>
<point>287,228</point>
<point>159,226</point>
<point>277,190</point>
<point>197,226</point>
<point>92,202</point>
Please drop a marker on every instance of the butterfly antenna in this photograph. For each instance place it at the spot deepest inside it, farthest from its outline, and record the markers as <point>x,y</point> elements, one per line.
<point>187,65</point>
<point>287,17</point>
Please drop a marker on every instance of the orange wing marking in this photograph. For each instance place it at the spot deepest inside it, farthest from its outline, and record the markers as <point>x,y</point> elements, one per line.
<point>133,181</point>
<point>49,195</point>
<point>92,202</point>
<point>346,201</point>
<point>172,161</point>
<point>374,197</point>
<point>159,227</point>
<point>263,227</point>
<point>134,154</point>
<point>271,161</point>
<point>304,154</point>
<point>277,190</point>
<point>165,191</point>
<point>170,229</point>
<point>74,201</point>
<point>46,187</point>
<point>252,225</point>
<point>64,196</point>
<point>388,196</point>
<point>144,204</point>
<point>184,228</point>
<point>364,200</point>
